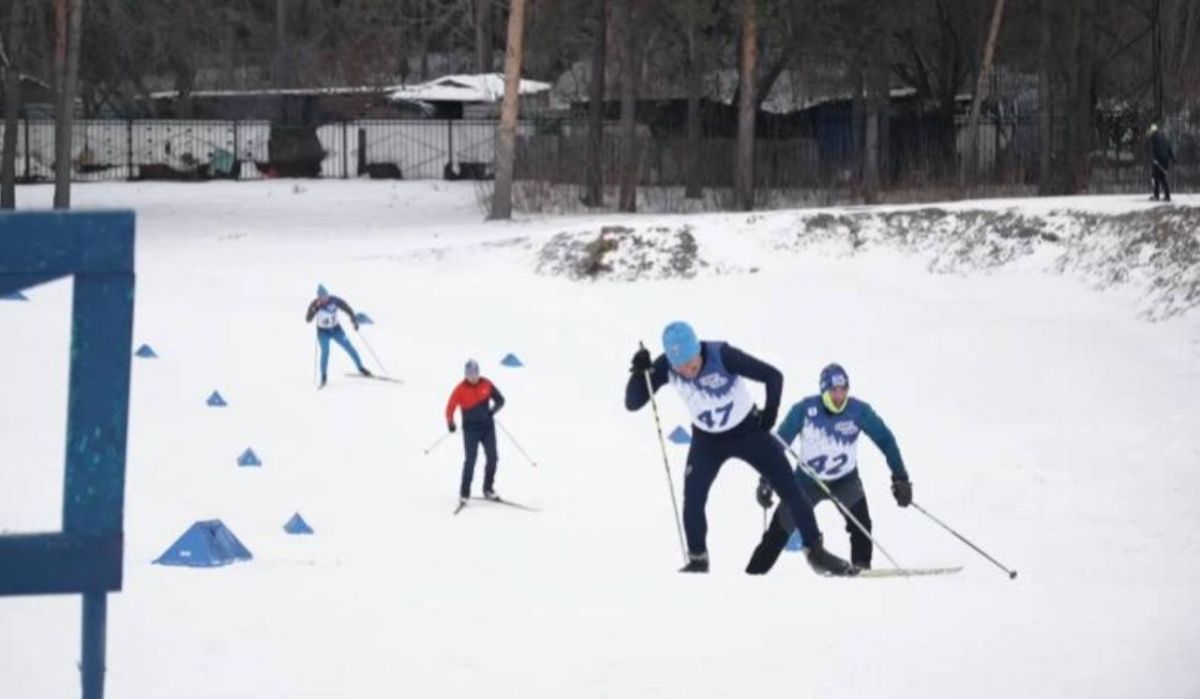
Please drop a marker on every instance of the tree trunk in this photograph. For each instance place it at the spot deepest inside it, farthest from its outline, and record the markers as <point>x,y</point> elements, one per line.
<point>506,149</point>
<point>744,170</point>
<point>692,188</point>
<point>1045,108</point>
<point>68,45</point>
<point>594,194</point>
<point>1080,131</point>
<point>858,127</point>
<point>484,43</point>
<point>12,107</point>
<point>970,162</point>
<point>629,167</point>
<point>876,102</point>
<point>423,51</point>
<point>282,57</point>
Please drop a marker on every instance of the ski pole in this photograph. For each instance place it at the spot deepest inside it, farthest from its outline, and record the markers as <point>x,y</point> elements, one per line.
<point>372,351</point>
<point>436,444</point>
<point>837,501</point>
<point>662,444</point>
<point>516,444</point>
<point>1012,574</point>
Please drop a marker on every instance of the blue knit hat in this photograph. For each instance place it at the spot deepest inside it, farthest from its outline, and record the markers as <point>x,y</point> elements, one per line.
<point>321,290</point>
<point>834,376</point>
<point>680,343</point>
<point>471,369</point>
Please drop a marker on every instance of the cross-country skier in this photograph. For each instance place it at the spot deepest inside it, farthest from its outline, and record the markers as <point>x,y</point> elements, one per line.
<point>711,377</point>
<point>479,400</point>
<point>828,427</point>
<point>325,309</point>
<point>1161,158</point>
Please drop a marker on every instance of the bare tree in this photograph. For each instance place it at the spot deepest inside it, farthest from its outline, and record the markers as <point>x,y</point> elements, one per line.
<point>970,162</point>
<point>695,72</point>
<point>484,42</point>
<point>594,194</point>
<point>506,149</point>
<point>1045,125</point>
<point>1081,43</point>
<point>743,181</point>
<point>630,65</point>
<point>10,60</point>
<point>69,23</point>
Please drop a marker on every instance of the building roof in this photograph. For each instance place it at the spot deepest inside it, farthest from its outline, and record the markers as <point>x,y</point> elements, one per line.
<point>485,87</point>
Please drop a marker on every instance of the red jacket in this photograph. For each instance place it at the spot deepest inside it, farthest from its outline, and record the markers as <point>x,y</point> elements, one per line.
<point>478,402</point>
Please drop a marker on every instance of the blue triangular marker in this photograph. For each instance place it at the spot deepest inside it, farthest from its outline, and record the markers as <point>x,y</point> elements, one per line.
<point>297,525</point>
<point>249,458</point>
<point>510,360</point>
<point>680,436</point>
<point>14,296</point>
<point>216,401</point>
<point>321,290</point>
<point>205,544</point>
<point>794,543</point>
<point>363,318</point>
<point>145,352</point>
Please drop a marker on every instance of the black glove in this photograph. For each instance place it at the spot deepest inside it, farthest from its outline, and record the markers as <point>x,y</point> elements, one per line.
<point>763,494</point>
<point>767,418</point>
<point>902,489</point>
<point>641,361</point>
<point>451,426</point>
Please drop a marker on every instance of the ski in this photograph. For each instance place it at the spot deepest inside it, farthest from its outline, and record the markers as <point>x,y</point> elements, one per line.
<point>510,503</point>
<point>376,377</point>
<point>906,572</point>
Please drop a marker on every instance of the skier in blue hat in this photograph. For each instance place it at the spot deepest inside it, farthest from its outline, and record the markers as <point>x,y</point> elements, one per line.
<point>712,379</point>
<point>325,309</point>
<point>827,427</point>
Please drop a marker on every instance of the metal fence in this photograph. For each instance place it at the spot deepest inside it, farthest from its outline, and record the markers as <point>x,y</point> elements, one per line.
<point>106,150</point>
<point>915,153</point>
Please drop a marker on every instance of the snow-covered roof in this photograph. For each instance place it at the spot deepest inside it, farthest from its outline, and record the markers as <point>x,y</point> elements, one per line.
<point>485,87</point>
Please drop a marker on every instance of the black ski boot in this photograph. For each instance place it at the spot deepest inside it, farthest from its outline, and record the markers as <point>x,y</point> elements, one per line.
<point>363,370</point>
<point>825,563</point>
<point>697,563</point>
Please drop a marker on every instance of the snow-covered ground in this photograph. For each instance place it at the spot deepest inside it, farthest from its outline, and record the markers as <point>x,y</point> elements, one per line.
<point>1042,417</point>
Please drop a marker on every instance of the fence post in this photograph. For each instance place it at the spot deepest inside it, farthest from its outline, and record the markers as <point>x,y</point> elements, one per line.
<point>129,149</point>
<point>449,146</point>
<point>237,158</point>
<point>26,144</point>
<point>345,149</point>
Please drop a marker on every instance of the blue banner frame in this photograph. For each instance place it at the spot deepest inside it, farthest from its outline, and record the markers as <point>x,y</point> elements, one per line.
<point>97,249</point>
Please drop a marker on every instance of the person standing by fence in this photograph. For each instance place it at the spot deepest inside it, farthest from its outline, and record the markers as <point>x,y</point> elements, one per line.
<point>1161,158</point>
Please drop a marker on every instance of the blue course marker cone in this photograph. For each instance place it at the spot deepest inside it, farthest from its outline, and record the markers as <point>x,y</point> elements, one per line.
<point>14,296</point>
<point>363,318</point>
<point>249,458</point>
<point>215,400</point>
<point>297,525</point>
<point>510,360</point>
<point>680,436</point>
<point>205,545</point>
<point>146,352</point>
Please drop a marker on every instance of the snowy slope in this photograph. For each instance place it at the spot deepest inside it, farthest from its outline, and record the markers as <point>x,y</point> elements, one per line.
<point>1038,415</point>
